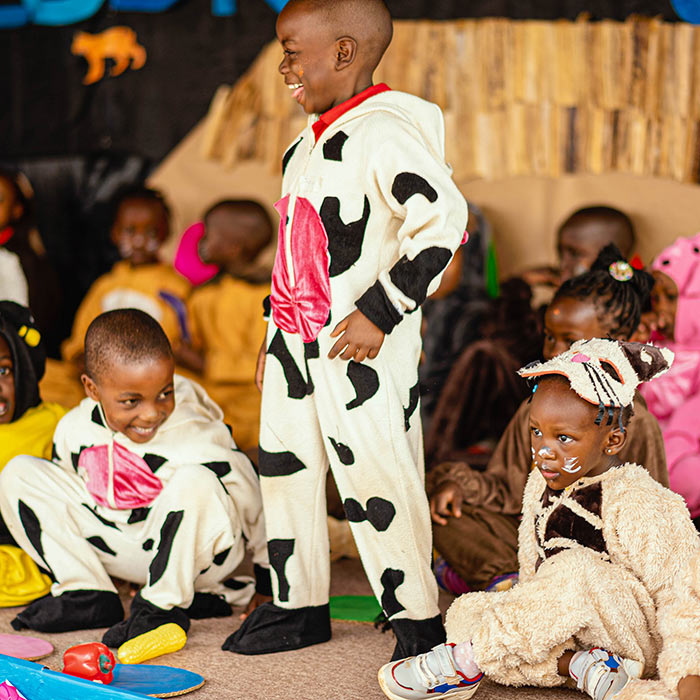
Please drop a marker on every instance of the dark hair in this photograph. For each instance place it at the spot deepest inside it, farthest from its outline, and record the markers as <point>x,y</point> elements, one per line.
<point>130,192</point>
<point>125,335</point>
<point>260,235</point>
<point>619,304</point>
<point>625,235</point>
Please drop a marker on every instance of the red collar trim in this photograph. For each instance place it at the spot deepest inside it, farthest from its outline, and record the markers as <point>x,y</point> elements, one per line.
<point>327,118</point>
<point>6,234</point>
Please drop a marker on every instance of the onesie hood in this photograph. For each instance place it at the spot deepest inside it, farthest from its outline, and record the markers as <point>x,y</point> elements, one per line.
<point>681,262</point>
<point>423,116</point>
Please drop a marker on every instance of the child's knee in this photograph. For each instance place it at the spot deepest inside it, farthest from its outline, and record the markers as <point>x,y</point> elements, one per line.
<point>194,484</point>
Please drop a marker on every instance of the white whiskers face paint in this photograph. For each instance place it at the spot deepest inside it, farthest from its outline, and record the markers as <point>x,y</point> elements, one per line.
<point>570,465</point>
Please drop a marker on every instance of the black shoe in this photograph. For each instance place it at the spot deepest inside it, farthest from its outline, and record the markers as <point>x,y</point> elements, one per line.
<point>144,617</point>
<point>208,605</point>
<point>415,637</point>
<point>270,628</point>
<point>72,610</point>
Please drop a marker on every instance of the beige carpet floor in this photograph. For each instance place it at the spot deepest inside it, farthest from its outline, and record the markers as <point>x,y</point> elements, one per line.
<point>342,669</point>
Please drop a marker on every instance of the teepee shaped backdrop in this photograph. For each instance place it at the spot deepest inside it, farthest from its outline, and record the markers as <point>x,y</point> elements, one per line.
<point>520,97</point>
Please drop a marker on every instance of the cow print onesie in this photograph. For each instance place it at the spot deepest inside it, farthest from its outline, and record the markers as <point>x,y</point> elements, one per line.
<point>370,218</point>
<point>175,514</point>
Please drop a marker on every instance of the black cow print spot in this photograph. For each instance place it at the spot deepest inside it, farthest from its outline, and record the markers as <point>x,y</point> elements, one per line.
<point>278,463</point>
<point>221,469</point>
<point>379,512</point>
<point>391,579</point>
<point>104,521</point>
<point>75,458</point>
<point>167,537</point>
<point>333,148</point>
<point>96,417</point>
<point>344,240</point>
<point>220,558</point>
<point>279,552</point>
<point>138,515</point>
<point>235,584</point>
<point>412,277</point>
<point>154,462</point>
<point>365,382</point>
<point>344,453</point>
<point>288,155</point>
<point>147,546</point>
<point>32,528</point>
<point>297,386</point>
<point>98,543</point>
<point>407,184</point>
<point>54,453</point>
<point>413,398</point>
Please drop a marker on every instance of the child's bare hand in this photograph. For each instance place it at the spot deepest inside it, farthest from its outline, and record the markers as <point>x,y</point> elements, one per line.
<point>257,600</point>
<point>260,366</point>
<point>689,688</point>
<point>359,336</point>
<point>446,502</point>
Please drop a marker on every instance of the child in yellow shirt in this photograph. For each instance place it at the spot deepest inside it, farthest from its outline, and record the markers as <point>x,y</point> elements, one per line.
<point>26,427</point>
<point>225,315</point>
<point>140,280</point>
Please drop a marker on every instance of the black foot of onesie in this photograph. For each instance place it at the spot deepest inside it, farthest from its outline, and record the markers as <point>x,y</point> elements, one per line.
<point>270,628</point>
<point>206,605</point>
<point>72,610</point>
<point>415,637</point>
<point>144,617</point>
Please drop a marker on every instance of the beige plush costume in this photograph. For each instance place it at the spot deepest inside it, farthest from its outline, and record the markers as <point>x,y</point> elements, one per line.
<point>612,561</point>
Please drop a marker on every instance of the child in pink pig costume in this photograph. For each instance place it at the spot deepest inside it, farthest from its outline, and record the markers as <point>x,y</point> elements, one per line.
<point>675,398</point>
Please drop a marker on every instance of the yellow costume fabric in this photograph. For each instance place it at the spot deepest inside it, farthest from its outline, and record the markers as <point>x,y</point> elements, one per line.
<point>124,286</point>
<point>129,287</point>
<point>227,324</point>
<point>20,579</point>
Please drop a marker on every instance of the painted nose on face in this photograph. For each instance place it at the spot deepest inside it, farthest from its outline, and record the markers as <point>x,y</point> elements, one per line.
<point>546,453</point>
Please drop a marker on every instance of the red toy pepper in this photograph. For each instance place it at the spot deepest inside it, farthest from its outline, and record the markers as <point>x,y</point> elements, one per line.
<point>92,661</point>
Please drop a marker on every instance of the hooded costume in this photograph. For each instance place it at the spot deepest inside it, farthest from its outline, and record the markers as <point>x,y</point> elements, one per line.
<point>606,562</point>
<point>370,217</point>
<point>174,513</point>
<point>675,398</point>
<point>30,432</point>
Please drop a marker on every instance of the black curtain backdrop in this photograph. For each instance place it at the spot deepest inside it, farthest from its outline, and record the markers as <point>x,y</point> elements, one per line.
<point>48,111</point>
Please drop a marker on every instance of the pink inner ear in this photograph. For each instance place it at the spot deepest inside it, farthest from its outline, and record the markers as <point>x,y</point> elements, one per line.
<point>580,357</point>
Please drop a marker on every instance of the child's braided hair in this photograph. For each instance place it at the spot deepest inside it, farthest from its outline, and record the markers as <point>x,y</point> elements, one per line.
<point>620,293</point>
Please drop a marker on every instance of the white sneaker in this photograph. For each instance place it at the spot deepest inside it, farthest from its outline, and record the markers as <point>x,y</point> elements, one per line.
<point>430,675</point>
<point>603,675</point>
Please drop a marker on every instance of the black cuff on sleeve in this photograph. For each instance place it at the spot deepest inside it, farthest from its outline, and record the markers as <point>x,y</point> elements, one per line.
<point>263,582</point>
<point>375,304</point>
<point>267,307</point>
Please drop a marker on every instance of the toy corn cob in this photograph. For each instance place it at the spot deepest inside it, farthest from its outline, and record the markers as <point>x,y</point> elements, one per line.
<point>162,640</point>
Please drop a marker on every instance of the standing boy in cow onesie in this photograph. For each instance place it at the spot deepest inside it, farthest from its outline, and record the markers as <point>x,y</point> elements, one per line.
<point>370,217</point>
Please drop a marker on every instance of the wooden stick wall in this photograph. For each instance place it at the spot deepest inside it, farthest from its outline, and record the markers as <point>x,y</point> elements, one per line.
<point>520,97</point>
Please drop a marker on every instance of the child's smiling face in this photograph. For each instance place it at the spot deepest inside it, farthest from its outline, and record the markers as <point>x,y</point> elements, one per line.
<point>566,442</point>
<point>137,398</point>
<point>309,63</point>
<point>10,208</point>
<point>7,383</point>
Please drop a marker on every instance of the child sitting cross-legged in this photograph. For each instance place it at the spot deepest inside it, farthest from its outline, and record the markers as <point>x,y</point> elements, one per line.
<point>146,485</point>
<point>225,315</point>
<point>476,513</point>
<point>608,586</point>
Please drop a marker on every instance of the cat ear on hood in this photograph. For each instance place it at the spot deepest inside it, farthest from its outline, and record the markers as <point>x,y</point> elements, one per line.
<point>647,361</point>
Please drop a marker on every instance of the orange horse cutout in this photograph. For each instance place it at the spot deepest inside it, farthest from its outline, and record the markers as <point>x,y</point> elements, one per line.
<point>117,43</point>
